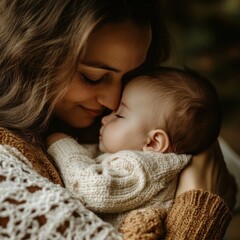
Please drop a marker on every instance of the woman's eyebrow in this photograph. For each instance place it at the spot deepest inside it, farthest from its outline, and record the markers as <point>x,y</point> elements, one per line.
<point>101,66</point>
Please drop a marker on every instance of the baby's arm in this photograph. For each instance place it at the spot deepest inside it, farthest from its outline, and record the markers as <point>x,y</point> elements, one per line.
<point>118,182</point>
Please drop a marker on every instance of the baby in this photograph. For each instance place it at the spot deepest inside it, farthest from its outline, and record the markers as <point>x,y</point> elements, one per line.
<point>162,119</point>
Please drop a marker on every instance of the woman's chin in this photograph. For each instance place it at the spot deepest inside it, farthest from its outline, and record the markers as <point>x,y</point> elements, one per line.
<point>82,124</point>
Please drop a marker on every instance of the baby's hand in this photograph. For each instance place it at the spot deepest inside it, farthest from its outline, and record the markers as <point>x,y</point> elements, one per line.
<point>55,137</point>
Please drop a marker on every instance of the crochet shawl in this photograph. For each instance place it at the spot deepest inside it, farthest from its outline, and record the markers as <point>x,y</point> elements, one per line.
<point>32,207</point>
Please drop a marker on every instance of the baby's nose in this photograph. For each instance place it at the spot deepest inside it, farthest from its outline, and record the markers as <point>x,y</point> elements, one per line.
<point>106,119</point>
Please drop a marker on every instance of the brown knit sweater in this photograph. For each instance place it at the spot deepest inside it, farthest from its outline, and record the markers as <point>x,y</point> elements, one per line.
<point>194,215</point>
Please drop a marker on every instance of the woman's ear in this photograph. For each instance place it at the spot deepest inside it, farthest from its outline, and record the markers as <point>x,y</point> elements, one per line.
<point>158,141</point>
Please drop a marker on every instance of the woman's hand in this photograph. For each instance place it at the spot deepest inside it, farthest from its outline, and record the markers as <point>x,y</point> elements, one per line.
<point>208,171</point>
<point>55,137</point>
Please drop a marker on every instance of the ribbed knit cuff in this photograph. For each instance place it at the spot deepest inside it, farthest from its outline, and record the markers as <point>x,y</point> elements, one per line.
<point>197,215</point>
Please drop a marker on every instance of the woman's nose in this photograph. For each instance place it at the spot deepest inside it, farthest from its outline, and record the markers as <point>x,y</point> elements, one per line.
<point>110,96</point>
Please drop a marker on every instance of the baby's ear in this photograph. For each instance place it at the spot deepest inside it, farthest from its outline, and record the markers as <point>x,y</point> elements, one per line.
<point>158,141</point>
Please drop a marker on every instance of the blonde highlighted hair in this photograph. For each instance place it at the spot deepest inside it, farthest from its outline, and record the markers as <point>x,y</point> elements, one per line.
<point>41,43</point>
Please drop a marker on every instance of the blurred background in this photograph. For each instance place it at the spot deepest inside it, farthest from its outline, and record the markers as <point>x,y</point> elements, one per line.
<point>206,37</point>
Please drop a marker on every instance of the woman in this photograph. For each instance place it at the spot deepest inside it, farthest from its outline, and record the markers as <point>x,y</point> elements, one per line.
<point>62,66</point>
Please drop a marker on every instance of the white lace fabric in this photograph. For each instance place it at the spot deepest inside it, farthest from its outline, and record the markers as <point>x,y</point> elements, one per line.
<point>31,207</point>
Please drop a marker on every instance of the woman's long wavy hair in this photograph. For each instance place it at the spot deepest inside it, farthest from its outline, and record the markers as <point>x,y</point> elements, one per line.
<point>41,42</point>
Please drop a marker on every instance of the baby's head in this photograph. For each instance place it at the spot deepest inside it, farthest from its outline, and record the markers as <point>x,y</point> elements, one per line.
<point>165,110</point>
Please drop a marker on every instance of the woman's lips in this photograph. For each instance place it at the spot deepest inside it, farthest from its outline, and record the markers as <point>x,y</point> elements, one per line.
<point>92,112</point>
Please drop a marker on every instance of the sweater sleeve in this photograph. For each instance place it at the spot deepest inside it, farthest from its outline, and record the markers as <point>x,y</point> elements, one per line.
<point>32,207</point>
<point>197,215</point>
<point>118,182</point>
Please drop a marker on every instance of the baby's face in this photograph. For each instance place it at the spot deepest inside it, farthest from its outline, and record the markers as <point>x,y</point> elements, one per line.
<point>128,127</point>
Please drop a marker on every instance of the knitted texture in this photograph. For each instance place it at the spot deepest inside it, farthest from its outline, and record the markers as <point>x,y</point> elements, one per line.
<point>144,224</point>
<point>200,215</point>
<point>34,156</point>
<point>32,207</point>
<point>196,214</point>
<point>114,184</point>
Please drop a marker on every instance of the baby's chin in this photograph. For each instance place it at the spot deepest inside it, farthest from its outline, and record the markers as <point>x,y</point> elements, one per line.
<point>101,147</point>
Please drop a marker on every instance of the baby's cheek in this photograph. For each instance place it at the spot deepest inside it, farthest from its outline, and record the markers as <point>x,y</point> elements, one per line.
<point>121,141</point>
<point>109,139</point>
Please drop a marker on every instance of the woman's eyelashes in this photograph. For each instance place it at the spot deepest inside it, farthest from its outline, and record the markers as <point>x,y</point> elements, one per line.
<point>91,81</point>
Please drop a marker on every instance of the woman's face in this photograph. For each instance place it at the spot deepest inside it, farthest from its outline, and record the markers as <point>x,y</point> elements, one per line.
<point>111,52</point>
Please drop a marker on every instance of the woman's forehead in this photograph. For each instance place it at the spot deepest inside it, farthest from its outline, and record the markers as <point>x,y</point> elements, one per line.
<point>122,46</point>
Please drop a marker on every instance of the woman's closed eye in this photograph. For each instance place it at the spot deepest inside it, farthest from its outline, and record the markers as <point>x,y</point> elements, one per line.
<point>91,80</point>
